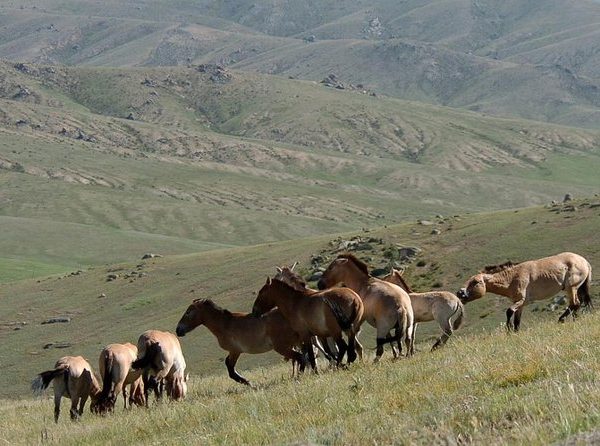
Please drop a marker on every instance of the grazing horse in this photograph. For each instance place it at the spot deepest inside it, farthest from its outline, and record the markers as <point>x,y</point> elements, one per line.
<point>73,378</point>
<point>116,372</point>
<point>325,314</point>
<point>240,333</point>
<point>440,306</point>
<point>161,359</point>
<point>534,280</point>
<point>387,306</point>
<point>327,346</point>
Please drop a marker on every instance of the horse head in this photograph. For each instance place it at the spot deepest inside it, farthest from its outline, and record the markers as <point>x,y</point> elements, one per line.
<point>192,317</point>
<point>474,289</point>
<point>265,299</point>
<point>335,273</point>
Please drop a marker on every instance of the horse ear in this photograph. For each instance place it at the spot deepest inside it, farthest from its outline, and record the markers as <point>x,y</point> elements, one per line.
<point>392,270</point>
<point>187,377</point>
<point>342,260</point>
<point>293,266</point>
<point>279,269</point>
<point>268,280</point>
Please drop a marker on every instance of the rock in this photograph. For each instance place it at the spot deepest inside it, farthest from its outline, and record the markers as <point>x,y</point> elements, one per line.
<point>112,277</point>
<point>150,255</point>
<point>436,231</point>
<point>130,116</point>
<point>21,123</point>
<point>23,93</point>
<point>102,295</point>
<point>425,222</point>
<point>363,246</point>
<point>23,68</point>
<point>408,252</point>
<point>568,197</point>
<point>380,272</point>
<point>149,83</point>
<point>315,276</point>
<point>218,73</point>
<point>57,320</point>
<point>310,39</point>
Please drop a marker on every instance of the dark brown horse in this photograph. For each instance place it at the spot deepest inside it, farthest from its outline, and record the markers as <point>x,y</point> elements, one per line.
<point>326,346</point>
<point>325,314</point>
<point>534,280</point>
<point>240,333</point>
<point>387,306</point>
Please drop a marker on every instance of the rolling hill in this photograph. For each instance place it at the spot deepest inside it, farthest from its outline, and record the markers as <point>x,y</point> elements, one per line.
<point>534,59</point>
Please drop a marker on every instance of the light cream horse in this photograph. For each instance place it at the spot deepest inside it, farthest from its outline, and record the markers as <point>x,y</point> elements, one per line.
<point>116,373</point>
<point>74,379</point>
<point>534,280</point>
<point>440,306</point>
<point>161,358</point>
<point>386,305</point>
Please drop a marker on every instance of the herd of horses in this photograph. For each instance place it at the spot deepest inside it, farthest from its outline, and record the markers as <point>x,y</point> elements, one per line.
<point>300,323</point>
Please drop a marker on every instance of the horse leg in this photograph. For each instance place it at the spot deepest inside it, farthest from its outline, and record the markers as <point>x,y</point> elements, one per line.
<point>73,412</point>
<point>412,340</point>
<point>446,326</point>
<point>230,362</point>
<point>125,395</point>
<point>307,346</point>
<point>351,346</point>
<point>382,335</point>
<point>358,346</point>
<point>82,402</point>
<point>57,398</point>
<point>517,318</point>
<point>342,348</point>
<point>146,381</point>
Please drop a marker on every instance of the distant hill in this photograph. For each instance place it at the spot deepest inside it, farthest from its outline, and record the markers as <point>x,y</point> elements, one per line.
<point>534,59</point>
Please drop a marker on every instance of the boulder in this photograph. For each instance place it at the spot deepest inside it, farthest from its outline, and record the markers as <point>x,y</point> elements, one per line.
<point>57,320</point>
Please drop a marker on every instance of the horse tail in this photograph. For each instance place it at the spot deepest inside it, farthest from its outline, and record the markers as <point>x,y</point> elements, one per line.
<point>107,378</point>
<point>460,309</point>
<point>583,292</point>
<point>43,380</point>
<point>344,322</point>
<point>147,360</point>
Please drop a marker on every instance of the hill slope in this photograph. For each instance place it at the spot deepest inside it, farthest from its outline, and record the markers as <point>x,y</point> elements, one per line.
<point>154,293</point>
<point>534,59</point>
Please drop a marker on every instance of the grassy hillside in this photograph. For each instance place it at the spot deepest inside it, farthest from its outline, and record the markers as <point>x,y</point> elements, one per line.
<point>154,293</point>
<point>217,158</point>
<point>537,60</point>
<point>535,387</point>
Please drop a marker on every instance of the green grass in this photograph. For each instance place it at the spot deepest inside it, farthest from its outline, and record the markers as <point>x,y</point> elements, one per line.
<point>535,387</point>
<point>232,277</point>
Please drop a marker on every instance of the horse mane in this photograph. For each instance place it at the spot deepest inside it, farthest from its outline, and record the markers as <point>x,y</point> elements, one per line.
<point>359,263</point>
<point>404,284</point>
<point>296,278</point>
<point>493,269</point>
<point>210,303</point>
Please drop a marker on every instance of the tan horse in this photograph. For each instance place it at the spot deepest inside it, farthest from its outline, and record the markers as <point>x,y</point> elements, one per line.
<point>534,280</point>
<point>325,314</point>
<point>326,346</point>
<point>161,359</point>
<point>440,306</point>
<point>240,333</point>
<point>387,306</point>
<point>74,379</point>
<point>116,373</point>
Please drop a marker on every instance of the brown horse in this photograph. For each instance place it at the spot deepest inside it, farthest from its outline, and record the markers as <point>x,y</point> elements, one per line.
<point>116,373</point>
<point>534,280</point>
<point>73,378</point>
<point>387,306</point>
<point>240,333</point>
<point>161,359</point>
<point>327,346</point>
<point>440,306</point>
<point>325,314</point>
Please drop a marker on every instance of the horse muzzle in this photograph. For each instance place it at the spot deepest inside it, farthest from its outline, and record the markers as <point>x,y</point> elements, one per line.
<point>462,294</point>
